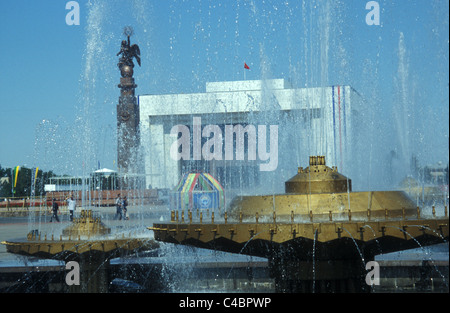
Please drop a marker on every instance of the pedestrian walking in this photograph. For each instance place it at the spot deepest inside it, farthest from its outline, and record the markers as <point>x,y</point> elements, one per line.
<point>118,207</point>
<point>55,209</point>
<point>124,207</point>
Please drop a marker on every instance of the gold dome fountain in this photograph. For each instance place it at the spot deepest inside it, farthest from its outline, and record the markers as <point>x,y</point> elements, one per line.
<point>319,234</point>
<point>87,241</point>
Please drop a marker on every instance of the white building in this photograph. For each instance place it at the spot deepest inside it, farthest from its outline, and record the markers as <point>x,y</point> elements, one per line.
<point>300,122</point>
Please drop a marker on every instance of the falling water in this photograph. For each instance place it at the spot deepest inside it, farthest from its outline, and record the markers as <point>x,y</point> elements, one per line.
<point>376,240</point>
<point>356,245</point>
<point>402,112</point>
<point>50,137</point>
<point>425,251</point>
<point>314,261</point>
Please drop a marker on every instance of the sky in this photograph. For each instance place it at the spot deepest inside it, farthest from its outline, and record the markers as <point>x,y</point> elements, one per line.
<point>59,82</point>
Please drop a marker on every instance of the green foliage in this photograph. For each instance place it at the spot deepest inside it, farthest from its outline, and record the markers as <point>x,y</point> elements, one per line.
<point>24,183</point>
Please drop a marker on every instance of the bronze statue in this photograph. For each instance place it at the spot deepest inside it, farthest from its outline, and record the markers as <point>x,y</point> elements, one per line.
<point>128,52</point>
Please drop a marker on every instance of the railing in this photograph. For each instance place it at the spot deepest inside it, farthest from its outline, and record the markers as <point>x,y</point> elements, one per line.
<point>197,215</point>
<point>94,198</point>
<point>21,202</point>
<point>107,197</point>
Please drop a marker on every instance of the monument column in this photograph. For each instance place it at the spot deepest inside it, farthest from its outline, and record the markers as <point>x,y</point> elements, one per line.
<point>128,140</point>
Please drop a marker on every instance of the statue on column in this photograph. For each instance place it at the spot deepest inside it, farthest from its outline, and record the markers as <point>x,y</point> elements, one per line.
<point>128,155</point>
<point>128,52</point>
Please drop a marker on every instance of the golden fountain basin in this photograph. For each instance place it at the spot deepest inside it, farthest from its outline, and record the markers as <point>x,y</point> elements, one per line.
<point>332,240</point>
<point>87,235</point>
<point>320,213</point>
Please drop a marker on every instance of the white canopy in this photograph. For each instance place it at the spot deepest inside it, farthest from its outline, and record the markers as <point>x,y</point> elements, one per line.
<point>105,171</point>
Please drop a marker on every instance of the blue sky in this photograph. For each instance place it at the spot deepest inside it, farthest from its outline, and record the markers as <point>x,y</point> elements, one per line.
<point>59,83</point>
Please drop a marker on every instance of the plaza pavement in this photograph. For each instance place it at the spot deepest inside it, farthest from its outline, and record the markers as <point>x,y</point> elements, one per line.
<point>13,227</point>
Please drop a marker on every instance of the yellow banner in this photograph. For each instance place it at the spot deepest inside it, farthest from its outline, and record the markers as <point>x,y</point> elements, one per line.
<point>35,176</point>
<point>17,173</point>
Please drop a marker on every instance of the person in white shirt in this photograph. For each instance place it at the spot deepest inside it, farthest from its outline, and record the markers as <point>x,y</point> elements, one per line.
<point>72,206</point>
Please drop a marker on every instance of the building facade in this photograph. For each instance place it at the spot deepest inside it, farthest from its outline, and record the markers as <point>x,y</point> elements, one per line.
<point>250,135</point>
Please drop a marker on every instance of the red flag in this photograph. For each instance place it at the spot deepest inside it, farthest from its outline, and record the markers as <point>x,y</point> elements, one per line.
<point>246,66</point>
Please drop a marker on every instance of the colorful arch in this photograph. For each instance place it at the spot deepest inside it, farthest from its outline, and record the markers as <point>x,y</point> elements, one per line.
<point>198,191</point>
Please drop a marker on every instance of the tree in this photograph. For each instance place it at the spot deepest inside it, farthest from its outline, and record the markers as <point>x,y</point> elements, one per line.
<point>24,183</point>
<point>5,186</point>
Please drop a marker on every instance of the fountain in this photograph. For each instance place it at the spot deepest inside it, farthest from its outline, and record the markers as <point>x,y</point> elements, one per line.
<point>87,241</point>
<point>319,235</point>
